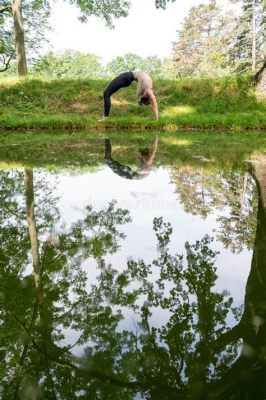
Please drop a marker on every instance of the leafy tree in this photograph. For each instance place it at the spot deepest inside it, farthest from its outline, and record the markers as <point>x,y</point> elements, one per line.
<point>29,19</point>
<point>152,65</point>
<point>248,50</point>
<point>203,41</point>
<point>74,64</point>
<point>128,62</point>
<point>157,67</point>
<point>51,259</point>
<point>201,192</point>
<point>105,10</point>
<point>25,20</point>
<point>20,31</point>
<point>70,64</point>
<point>6,44</point>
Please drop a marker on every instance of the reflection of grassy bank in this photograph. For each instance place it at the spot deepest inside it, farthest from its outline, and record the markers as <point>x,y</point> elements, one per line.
<point>87,149</point>
<point>218,104</point>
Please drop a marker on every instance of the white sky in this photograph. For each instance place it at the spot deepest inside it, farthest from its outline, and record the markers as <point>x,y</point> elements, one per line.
<point>146,31</point>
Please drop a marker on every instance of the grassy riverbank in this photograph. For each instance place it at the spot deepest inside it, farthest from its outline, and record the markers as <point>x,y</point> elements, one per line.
<point>219,104</point>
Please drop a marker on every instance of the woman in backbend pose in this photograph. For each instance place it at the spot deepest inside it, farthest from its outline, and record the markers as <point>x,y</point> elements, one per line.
<point>144,90</point>
<point>144,162</point>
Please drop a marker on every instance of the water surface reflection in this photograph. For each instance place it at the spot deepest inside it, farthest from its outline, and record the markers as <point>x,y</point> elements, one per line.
<point>115,288</point>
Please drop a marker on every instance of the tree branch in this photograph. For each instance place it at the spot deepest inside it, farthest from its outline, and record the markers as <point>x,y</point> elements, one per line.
<point>112,379</point>
<point>227,337</point>
<point>7,63</point>
<point>5,8</point>
<point>21,217</point>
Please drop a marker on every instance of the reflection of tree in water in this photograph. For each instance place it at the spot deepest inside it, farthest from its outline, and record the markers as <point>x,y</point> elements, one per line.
<point>191,355</point>
<point>201,192</point>
<point>246,378</point>
<point>35,307</point>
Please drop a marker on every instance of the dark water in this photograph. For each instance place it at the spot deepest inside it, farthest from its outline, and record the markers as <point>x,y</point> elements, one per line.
<point>133,282</point>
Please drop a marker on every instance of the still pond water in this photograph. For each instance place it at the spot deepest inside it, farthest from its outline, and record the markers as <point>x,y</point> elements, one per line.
<point>143,281</point>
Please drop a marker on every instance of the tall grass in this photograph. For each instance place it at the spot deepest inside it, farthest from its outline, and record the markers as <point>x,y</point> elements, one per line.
<point>40,102</point>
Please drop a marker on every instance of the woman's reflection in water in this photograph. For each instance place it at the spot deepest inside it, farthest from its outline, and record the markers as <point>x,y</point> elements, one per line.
<point>144,162</point>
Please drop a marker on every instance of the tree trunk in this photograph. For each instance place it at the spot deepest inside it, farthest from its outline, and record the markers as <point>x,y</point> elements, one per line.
<point>248,372</point>
<point>253,67</point>
<point>255,290</point>
<point>259,79</point>
<point>37,277</point>
<point>37,270</point>
<point>244,190</point>
<point>19,37</point>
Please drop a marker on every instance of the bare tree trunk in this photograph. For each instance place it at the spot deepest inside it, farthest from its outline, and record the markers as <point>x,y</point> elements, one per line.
<point>37,273</point>
<point>37,270</point>
<point>243,193</point>
<point>253,67</point>
<point>19,37</point>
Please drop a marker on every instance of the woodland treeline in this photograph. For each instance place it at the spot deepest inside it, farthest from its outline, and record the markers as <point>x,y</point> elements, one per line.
<point>211,41</point>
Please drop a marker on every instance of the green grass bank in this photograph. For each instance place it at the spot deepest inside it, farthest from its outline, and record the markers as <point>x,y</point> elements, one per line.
<point>197,104</point>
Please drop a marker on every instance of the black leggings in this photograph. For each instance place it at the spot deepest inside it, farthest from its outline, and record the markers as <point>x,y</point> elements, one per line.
<point>122,80</point>
<point>117,167</point>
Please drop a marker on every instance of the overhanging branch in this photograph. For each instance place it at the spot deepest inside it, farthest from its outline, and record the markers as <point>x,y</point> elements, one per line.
<point>5,8</point>
<point>7,62</point>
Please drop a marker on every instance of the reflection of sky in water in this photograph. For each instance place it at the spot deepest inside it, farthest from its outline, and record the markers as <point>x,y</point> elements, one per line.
<point>151,197</point>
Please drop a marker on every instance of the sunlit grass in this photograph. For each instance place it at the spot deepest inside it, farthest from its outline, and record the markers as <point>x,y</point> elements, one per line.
<point>42,103</point>
<point>175,111</point>
<point>176,141</point>
<point>119,102</point>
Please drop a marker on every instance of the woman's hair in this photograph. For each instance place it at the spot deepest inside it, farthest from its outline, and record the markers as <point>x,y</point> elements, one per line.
<point>146,155</point>
<point>143,156</point>
<point>144,100</point>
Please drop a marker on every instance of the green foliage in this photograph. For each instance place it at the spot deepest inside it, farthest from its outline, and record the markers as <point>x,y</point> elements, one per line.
<point>111,360</point>
<point>162,3</point>
<point>203,42</point>
<point>104,9</point>
<point>35,17</point>
<point>108,10</point>
<point>129,62</point>
<point>73,64</point>
<point>211,42</point>
<point>202,193</point>
<point>70,64</point>
<point>152,65</point>
<point>6,38</point>
<point>35,22</point>
<point>251,22</point>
